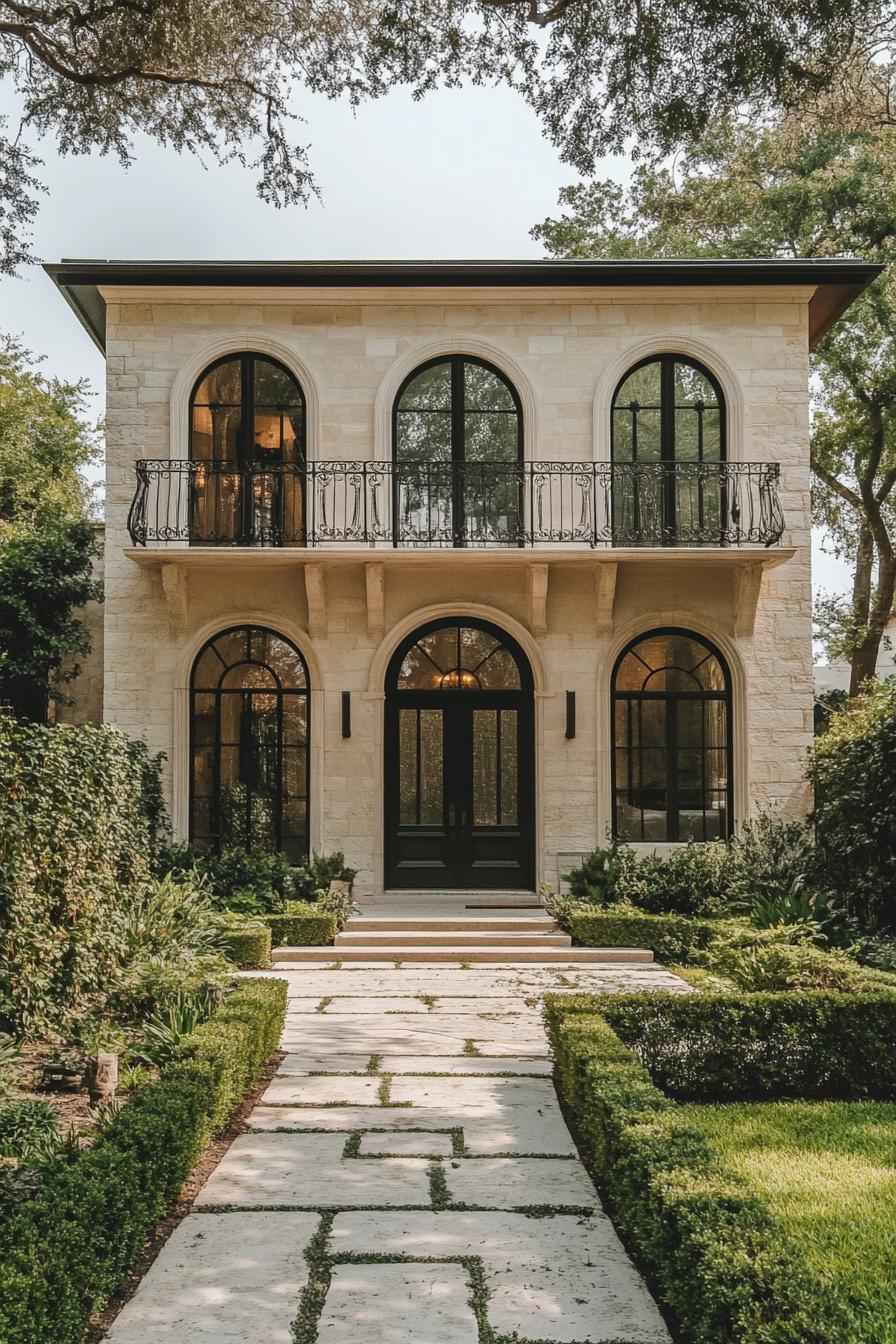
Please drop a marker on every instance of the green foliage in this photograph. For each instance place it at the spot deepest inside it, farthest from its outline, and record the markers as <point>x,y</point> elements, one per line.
<point>853,770</point>
<point>770,864</point>
<point>248,882</point>
<point>245,940</point>
<point>23,1122</point>
<point>796,965</point>
<point>691,880</point>
<point>669,937</point>
<point>766,1046</point>
<point>65,1251</point>
<point>166,1034</point>
<point>720,1262</point>
<point>44,577</point>
<point>303,924</point>
<point>600,874</point>
<point>75,845</point>
<point>315,875</point>
<point>217,81</point>
<point>339,904</point>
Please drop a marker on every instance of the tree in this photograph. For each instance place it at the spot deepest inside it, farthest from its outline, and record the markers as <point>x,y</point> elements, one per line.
<point>215,76</point>
<point>747,191</point>
<point>46,540</point>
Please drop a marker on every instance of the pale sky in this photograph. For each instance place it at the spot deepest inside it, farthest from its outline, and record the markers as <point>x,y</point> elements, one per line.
<point>464,173</point>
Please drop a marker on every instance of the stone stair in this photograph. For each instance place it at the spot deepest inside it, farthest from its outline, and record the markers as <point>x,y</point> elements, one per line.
<point>467,935</point>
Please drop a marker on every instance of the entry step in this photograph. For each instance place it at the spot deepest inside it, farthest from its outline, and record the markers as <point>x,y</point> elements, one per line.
<point>453,938</point>
<point>283,957</point>
<point>540,924</point>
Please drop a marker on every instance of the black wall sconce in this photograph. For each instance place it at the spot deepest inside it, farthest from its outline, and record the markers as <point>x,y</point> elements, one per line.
<point>346,713</point>
<point>570,713</point>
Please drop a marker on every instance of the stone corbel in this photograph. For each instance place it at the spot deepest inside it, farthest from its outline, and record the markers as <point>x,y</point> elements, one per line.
<point>316,594</point>
<point>538,576</point>
<point>175,586</point>
<point>604,597</point>
<point>747,582</point>
<point>375,585</point>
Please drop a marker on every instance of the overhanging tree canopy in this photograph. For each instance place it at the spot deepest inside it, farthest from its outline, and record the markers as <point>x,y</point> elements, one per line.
<point>216,76</point>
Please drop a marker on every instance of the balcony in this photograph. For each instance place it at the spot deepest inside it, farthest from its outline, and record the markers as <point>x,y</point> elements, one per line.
<point>439,505</point>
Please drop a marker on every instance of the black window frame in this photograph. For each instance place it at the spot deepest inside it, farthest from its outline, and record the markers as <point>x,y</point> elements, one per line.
<point>457,363</point>
<point>671,743</point>
<point>249,628</point>
<point>668,360</point>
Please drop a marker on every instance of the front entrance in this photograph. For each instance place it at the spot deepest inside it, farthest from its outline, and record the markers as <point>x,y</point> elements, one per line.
<point>459,786</point>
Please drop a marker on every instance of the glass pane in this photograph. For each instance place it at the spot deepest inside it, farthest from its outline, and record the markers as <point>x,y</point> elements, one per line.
<point>423,437</point>
<point>670,662</point>
<point>475,646</point>
<point>204,720</point>
<point>203,772</point>
<point>430,390</point>
<point>499,672</point>
<point>485,390</point>
<point>295,720</point>
<point>231,711</point>
<point>407,767</point>
<point>485,767</point>
<point>247,676</point>
<point>509,768</point>
<point>490,437</point>
<point>279,655</point>
<point>431,772</point>
<point>295,773</point>
<point>274,386</point>
<point>208,668</point>
<point>222,385</point>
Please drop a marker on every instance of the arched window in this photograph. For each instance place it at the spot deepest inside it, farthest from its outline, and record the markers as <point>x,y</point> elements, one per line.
<point>249,743</point>
<point>458,446</point>
<point>668,441</point>
<point>247,448</point>
<point>672,739</point>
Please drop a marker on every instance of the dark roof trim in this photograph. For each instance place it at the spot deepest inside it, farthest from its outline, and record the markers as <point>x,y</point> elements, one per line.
<point>837,281</point>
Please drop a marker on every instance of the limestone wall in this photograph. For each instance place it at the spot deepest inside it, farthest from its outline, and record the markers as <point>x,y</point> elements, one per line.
<point>565,350</point>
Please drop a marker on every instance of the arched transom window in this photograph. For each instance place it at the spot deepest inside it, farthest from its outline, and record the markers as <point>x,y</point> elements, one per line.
<point>249,743</point>
<point>672,740</point>
<point>458,444</point>
<point>247,446</point>
<point>668,439</point>
<point>459,658</point>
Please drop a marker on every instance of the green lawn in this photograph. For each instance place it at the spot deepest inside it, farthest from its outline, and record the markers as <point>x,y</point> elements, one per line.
<point>828,1171</point>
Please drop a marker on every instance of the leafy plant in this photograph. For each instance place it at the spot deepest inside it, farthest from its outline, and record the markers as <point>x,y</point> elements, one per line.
<point>314,875</point>
<point>598,877</point>
<point>165,1033</point>
<point>24,1123</point>
<point>339,904</point>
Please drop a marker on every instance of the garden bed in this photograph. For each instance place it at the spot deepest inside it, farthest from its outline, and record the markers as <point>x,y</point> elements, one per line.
<point>725,1260</point>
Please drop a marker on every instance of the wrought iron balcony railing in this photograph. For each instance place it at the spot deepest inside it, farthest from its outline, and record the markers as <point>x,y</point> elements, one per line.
<point>445,504</point>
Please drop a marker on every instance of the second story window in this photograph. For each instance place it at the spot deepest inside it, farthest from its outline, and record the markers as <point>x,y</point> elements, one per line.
<point>247,448</point>
<point>668,441</point>
<point>458,446</point>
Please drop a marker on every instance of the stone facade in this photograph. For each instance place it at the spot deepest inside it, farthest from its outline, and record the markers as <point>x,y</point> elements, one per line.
<point>565,351</point>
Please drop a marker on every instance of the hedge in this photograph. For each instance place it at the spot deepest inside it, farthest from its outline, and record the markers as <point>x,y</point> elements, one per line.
<point>80,811</point>
<point>249,947</point>
<point>754,1046</point>
<point>64,1253</point>
<point>723,1267</point>
<point>669,937</point>
<point>302,924</point>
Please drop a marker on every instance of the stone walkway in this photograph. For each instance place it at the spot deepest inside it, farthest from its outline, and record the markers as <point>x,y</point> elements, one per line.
<point>407,1178</point>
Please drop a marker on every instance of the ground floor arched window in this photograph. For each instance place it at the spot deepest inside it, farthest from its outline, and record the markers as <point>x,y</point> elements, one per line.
<point>249,743</point>
<point>671,696</point>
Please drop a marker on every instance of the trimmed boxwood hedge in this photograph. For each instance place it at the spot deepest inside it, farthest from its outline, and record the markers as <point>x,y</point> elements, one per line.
<point>724,1268</point>
<point>249,947</point>
<point>669,937</point>
<point>302,924</point>
<point>753,1046</point>
<point>64,1253</point>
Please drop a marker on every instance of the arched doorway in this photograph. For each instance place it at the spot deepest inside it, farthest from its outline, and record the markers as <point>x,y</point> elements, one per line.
<point>249,743</point>
<point>459,760</point>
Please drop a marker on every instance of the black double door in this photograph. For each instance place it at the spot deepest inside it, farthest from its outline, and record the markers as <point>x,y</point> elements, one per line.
<point>459,789</point>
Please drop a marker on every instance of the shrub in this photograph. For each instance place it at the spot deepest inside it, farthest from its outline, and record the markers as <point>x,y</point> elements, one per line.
<point>303,924</point>
<point>710,1047</point>
<point>688,881</point>
<point>245,941</point>
<point>316,874</point>
<point>669,937</point>
<point>719,1260</point>
<point>64,1252</point>
<point>798,965</point>
<point>77,821</point>
<point>23,1122</point>
<point>853,769</point>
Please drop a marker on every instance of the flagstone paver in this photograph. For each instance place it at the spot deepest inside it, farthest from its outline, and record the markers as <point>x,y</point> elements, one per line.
<point>415,1114</point>
<point>398,1304</point>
